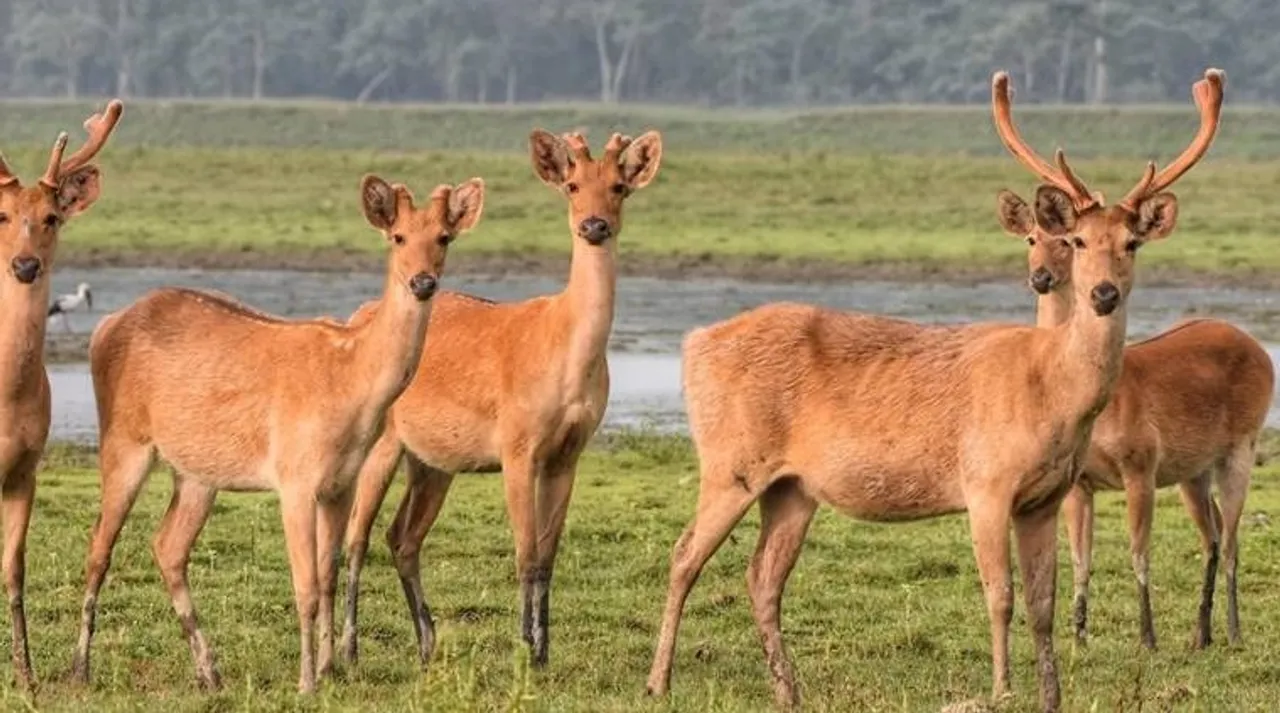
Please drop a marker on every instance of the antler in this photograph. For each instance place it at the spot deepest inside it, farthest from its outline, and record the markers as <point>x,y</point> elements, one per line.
<point>1062,177</point>
<point>1207,94</point>
<point>99,127</point>
<point>6,176</point>
<point>614,148</point>
<point>577,145</point>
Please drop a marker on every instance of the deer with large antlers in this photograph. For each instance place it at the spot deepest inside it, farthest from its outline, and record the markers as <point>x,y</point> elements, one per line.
<point>238,400</point>
<point>794,405</point>
<point>1187,410</point>
<point>31,218</point>
<point>528,385</point>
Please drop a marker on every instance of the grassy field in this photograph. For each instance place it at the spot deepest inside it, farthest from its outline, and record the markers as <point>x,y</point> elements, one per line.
<point>878,618</point>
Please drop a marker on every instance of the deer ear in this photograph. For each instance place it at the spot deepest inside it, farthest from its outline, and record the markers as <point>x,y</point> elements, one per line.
<point>466,202</point>
<point>1055,213</point>
<point>640,160</point>
<point>1015,215</point>
<point>378,199</point>
<point>1155,217</point>
<point>77,190</point>
<point>550,157</point>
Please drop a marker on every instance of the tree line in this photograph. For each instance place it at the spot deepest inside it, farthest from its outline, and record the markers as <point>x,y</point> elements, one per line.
<point>702,52</point>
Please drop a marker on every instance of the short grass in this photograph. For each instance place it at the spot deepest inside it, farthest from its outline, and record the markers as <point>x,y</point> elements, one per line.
<point>844,209</point>
<point>878,617</point>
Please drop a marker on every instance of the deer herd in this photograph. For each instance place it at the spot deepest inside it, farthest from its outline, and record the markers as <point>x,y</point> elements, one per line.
<point>789,406</point>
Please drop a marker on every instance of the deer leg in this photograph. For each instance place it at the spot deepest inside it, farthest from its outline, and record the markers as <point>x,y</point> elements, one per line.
<point>331,523</point>
<point>1233,487</point>
<point>418,511</point>
<point>298,510</point>
<point>370,490</point>
<point>189,508</point>
<point>124,469</point>
<point>18,494</point>
<point>1140,494</point>
<point>553,495</point>
<point>785,514</point>
<point>1204,512</point>
<point>1037,533</point>
<point>519,479</point>
<point>722,501</point>
<point>1078,510</point>
<point>989,527</point>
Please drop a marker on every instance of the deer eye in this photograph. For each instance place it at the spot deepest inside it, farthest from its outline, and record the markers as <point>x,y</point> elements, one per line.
<point>1031,241</point>
<point>1133,245</point>
<point>51,221</point>
<point>398,238</point>
<point>571,187</point>
<point>1078,242</point>
<point>4,218</point>
<point>444,239</point>
<point>618,188</point>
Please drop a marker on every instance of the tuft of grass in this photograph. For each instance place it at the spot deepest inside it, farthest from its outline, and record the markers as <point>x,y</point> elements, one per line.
<point>877,617</point>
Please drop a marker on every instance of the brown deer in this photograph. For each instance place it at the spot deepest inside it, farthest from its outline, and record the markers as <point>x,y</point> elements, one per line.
<point>30,220</point>
<point>1188,408</point>
<point>528,384</point>
<point>238,400</point>
<point>887,420</point>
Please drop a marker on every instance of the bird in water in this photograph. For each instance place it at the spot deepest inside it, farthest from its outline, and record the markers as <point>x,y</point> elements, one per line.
<point>63,304</point>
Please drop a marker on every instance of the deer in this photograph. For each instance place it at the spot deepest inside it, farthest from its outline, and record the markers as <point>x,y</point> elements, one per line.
<point>236,399</point>
<point>1187,410</point>
<point>31,220</point>
<point>886,420</point>
<point>527,388</point>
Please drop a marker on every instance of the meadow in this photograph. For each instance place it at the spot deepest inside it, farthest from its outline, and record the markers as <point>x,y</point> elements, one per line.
<point>878,617</point>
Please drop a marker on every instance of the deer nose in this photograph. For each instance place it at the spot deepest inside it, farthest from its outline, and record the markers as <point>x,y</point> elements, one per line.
<point>594,230</point>
<point>1105,298</point>
<point>26,269</point>
<point>1041,281</point>
<point>423,286</point>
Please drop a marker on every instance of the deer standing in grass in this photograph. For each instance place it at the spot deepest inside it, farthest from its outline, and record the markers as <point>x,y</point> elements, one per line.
<point>527,386</point>
<point>30,220</point>
<point>235,399</point>
<point>887,420</point>
<point>1188,409</point>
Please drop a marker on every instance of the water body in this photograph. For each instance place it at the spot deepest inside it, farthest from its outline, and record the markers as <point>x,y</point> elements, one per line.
<point>652,317</point>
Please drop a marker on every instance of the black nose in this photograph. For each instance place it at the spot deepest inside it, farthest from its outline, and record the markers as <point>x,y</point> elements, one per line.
<point>26,269</point>
<point>1041,281</point>
<point>1105,297</point>
<point>423,286</point>
<point>594,230</point>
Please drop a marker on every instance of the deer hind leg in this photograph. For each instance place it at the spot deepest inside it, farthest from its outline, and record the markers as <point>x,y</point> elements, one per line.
<point>1078,510</point>
<point>418,511</point>
<point>331,525</point>
<point>370,490</point>
<point>785,513</point>
<point>722,501</point>
<point>1204,512</point>
<point>124,468</point>
<point>1233,487</point>
<point>18,494</point>
<point>989,527</point>
<point>188,510</point>
<point>1140,494</point>
<point>1037,533</point>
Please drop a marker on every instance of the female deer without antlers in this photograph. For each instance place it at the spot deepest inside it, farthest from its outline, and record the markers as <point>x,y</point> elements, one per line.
<point>1188,409</point>
<point>527,384</point>
<point>30,220</point>
<point>793,405</point>
<point>238,400</point>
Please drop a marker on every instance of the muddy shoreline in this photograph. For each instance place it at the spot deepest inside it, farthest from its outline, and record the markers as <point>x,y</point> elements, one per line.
<point>703,266</point>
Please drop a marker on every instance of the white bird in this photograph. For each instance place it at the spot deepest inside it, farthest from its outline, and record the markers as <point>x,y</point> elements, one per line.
<point>63,304</point>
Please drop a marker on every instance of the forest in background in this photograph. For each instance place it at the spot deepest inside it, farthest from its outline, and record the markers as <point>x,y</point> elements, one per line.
<point>698,52</point>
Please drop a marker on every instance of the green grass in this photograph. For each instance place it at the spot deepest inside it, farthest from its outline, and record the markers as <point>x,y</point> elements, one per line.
<point>878,617</point>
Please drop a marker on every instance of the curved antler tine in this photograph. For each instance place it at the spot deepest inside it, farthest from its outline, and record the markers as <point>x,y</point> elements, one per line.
<point>404,197</point>
<point>1001,107</point>
<point>53,169</point>
<point>7,176</point>
<point>577,145</point>
<point>99,127</point>
<point>617,144</point>
<point>1207,94</point>
<point>1144,188</point>
<point>1080,193</point>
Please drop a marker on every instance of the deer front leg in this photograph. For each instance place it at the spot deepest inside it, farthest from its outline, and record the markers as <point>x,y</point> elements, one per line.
<point>1140,495</point>
<point>298,510</point>
<point>1038,557</point>
<point>371,489</point>
<point>19,493</point>
<point>1078,509</point>
<point>330,527</point>
<point>519,477</point>
<point>989,526</point>
<point>553,496</point>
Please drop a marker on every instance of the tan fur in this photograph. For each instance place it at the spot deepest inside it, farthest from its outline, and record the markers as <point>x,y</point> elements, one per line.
<point>794,405</point>
<point>1188,408</point>
<point>520,386</point>
<point>235,399</point>
<point>30,220</point>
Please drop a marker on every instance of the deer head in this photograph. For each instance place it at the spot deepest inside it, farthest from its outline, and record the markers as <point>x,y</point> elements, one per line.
<point>1076,239</point>
<point>419,237</point>
<point>30,216</point>
<point>596,188</point>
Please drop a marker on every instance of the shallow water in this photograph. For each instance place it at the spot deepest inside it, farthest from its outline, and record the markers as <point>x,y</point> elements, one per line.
<point>652,316</point>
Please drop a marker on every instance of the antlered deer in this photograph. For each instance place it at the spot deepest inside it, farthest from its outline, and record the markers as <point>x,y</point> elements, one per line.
<point>1187,409</point>
<point>235,399</point>
<point>794,405</point>
<point>527,386</point>
<point>30,220</point>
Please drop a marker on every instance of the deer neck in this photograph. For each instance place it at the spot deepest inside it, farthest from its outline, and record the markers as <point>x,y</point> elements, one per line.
<point>22,329</point>
<point>1054,308</point>
<point>1089,358</point>
<point>389,344</point>
<point>587,306</point>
